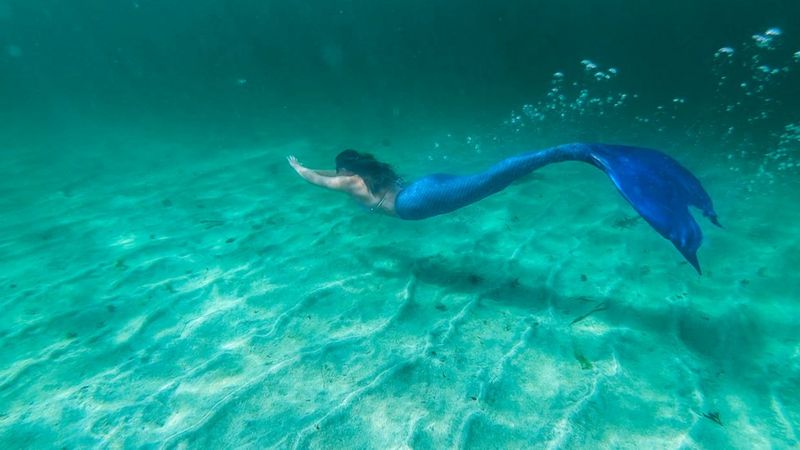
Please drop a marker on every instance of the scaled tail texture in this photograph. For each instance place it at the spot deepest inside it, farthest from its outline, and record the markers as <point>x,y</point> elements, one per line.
<point>657,186</point>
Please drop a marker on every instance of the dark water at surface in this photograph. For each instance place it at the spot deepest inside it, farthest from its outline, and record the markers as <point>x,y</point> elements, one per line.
<point>329,65</point>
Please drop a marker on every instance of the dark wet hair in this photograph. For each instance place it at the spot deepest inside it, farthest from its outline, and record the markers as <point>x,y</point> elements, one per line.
<point>378,176</point>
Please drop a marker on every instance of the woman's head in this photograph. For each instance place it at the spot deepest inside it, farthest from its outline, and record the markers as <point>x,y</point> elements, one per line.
<point>377,175</point>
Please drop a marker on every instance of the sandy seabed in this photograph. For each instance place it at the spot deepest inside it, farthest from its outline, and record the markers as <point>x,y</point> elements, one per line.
<point>221,302</point>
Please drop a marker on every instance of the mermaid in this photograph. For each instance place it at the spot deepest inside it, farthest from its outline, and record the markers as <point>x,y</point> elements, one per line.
<point>657,186</point>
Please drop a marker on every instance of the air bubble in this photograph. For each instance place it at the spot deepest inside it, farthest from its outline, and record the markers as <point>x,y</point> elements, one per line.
<point>724,51</point>
<point>588,65</point>
<point>762,41</point>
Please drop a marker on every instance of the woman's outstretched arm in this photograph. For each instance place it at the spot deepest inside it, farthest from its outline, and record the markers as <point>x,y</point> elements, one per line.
<point>325,178</point>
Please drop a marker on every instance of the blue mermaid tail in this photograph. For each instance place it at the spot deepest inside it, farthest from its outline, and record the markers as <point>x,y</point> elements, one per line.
<point>658,187</point>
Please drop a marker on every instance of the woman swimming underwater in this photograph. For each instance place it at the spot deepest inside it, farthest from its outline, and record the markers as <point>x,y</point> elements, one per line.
<point>657,186</point>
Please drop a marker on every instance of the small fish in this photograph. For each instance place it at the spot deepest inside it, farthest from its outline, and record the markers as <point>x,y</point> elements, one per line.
<point>601,307</point>
<point>212,223</point>
<point>714,417</point>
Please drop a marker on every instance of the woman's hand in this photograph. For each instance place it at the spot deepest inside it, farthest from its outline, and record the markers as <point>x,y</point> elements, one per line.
<point>296,164</point>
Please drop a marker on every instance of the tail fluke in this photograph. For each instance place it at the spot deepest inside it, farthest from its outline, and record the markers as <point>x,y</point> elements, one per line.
<point>661,190</point>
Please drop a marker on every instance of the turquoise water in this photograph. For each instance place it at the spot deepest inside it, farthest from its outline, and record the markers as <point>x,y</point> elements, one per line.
<point>169,281</point>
